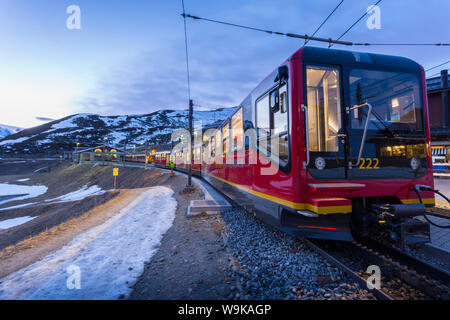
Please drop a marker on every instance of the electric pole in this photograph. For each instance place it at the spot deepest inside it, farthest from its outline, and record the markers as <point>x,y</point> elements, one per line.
<point>146,154</point>
<point>124,152</point>
<point>191,110</point>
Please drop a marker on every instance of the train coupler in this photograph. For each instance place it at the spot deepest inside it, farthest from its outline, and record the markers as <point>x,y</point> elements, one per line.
<point>397,223</point>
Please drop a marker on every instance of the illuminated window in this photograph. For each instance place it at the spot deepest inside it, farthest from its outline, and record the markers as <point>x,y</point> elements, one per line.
<point>324,108</point>
<point>218,142</point>
<point>237,128</point>
<point>263,116</point>
<point>416,151</point>
<point>226,135</point>
<point>213,147</point>
<point>280,126</point>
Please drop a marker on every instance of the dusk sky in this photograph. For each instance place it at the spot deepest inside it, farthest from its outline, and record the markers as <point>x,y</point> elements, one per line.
<point>128,57</point>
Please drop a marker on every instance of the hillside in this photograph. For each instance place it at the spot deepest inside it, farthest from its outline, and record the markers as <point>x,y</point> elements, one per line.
<point>6,130</point>
<point>91,129</point>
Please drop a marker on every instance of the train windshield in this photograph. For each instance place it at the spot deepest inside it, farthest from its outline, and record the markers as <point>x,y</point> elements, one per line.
<point>395,98</point>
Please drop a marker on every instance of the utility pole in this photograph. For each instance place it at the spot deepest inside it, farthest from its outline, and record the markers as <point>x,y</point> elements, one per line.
<point>444,100</point>
<point>124,152</point>
<point>191,110</point>
<point>146,155</point>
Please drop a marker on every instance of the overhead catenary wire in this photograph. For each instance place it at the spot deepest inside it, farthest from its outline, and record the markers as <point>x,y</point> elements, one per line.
<point>439,65</point>
<point>354,24</point>
<point>436,74</point>
<point>310,38</point>
<point>324,21</point>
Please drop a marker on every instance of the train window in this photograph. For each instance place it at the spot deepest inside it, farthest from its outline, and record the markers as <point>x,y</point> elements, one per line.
<point>213,147</point>
<point>237,128</point>
<point>218,142</point>
<point>395,97</point>
<point>324,108</point>
<point>280,118</point>
<point>263,116</point>
<point>283,99</point>
<point>280,126</point>
<point>226,137</point>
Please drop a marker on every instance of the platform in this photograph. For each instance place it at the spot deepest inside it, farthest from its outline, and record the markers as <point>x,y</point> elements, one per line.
<point>440,238</point>
<point>197,207</point>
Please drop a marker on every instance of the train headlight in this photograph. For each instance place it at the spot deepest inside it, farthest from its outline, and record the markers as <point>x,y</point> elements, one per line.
<point>415,164</point>
<point>320,163</point>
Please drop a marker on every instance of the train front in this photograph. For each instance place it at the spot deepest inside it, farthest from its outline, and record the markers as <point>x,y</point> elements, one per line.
<point>368,144</point>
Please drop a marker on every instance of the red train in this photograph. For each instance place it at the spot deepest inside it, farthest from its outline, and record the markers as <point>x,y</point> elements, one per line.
<point>353,148</point>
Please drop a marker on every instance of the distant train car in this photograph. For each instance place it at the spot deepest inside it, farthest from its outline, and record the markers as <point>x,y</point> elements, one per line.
<point>136,157</point>
<point>181,160</point>
<point>353,139</point>
<point>162,159</point>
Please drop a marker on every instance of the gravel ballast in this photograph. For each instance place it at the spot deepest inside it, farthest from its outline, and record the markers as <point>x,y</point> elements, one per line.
<point>269,264</point>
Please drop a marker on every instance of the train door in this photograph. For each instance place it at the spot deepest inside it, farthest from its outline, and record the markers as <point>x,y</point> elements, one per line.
<point>326,156</point>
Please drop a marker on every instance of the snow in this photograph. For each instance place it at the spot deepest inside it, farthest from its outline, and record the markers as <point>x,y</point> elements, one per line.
<point>68,123</point>
<point>18,140</point>
<point>110,257</point>
<point>78,194</point>
<point>6,224</point>
<point>72,196</point>
<point>23,180</point>
<point>25,191</point>
<point>6,130</point>
<point>20,206</point>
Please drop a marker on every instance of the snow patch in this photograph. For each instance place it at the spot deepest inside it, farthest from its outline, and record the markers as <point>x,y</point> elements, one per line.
<point>25,191</point>
<point>10,223</point>
<point>78,194</point>
<point>20,206</point>
<point>23,180</point>
<point>18,140</point>
<point>111,256</point>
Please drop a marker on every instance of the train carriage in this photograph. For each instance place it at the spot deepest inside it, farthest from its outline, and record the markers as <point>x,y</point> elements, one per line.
<point>342,146</point>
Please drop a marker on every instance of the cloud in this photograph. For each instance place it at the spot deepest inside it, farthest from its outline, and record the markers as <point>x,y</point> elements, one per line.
<point>227,63</point>
<point>44,119</point>
<point>220,76</point>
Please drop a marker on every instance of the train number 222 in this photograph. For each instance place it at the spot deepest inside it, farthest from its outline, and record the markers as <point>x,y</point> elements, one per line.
<point>369,163</point>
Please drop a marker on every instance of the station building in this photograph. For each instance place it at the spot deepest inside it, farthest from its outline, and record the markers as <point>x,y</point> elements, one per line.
<point>439,109</point>
<point>103,152</point>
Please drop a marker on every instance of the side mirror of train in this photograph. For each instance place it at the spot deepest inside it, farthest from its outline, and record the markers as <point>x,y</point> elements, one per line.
<point>283,74</point>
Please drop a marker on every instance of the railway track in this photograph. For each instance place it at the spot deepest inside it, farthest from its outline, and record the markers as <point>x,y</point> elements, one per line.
<point>439,212</point>
<point>402,275</point>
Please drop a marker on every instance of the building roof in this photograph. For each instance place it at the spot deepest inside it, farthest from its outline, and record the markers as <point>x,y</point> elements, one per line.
<point>97,147</point>
<point>434,83</point>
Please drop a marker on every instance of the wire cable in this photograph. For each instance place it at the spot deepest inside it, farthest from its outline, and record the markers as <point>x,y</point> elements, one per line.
<point>354,24</point>
<point>310,38</point>
<point>326,19</point>
<point>437,66</point>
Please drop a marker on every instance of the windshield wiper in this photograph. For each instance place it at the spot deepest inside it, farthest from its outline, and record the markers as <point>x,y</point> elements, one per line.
<point>359,99</point>
<point>386,126</point>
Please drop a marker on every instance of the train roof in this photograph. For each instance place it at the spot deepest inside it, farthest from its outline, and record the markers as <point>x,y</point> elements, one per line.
<point>347,57</point>
<point>352,58</point>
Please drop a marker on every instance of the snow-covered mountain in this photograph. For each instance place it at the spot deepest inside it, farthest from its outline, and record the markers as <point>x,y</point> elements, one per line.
<point>91,129</point>
<point>6,130</point>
